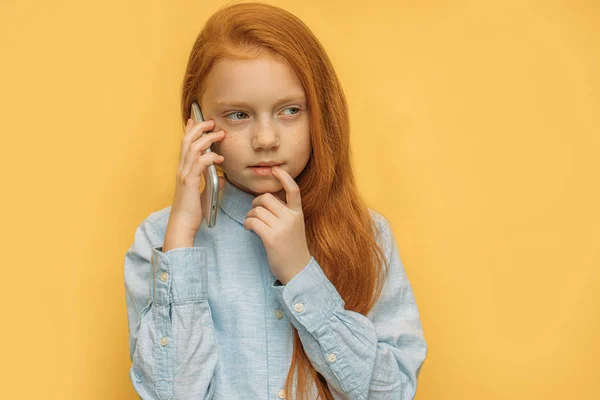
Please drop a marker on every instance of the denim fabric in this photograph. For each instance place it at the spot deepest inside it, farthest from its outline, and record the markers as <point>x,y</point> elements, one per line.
<point>212,321</point>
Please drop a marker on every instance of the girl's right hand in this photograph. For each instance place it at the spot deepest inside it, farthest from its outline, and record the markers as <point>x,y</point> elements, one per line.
<point>186,211</point>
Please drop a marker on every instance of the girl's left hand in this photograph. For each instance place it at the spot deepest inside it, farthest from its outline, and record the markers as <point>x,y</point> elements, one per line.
<point>281,228</point>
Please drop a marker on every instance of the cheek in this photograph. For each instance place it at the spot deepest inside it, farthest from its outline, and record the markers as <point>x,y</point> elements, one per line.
<point>302,136</point>
<point>302,142</point>
<point>302,149</point>
<point>231,148</point>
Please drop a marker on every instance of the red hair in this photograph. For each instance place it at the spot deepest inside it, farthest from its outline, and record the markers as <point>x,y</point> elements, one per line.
<point>340,231</point>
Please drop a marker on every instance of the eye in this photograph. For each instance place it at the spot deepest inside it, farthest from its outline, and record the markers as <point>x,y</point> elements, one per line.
<point>237,113</point>
<point>293,108</point>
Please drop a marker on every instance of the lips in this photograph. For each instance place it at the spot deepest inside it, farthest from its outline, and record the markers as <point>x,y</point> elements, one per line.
<point>262,170</point>
<point>266,164</point>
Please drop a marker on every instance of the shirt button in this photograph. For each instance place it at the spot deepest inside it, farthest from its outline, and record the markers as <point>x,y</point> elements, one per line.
<point>164,341</point>
<point>278,313</point>
<point>298,307</point>
<point>164,276</point>
<point>331,357</point>
<point>281,394</point>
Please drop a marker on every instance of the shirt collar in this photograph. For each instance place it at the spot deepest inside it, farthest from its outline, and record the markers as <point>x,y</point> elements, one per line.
<point>235,202</point>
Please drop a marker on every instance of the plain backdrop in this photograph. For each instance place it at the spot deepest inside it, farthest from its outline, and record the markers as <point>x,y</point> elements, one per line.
<point>475,129</point>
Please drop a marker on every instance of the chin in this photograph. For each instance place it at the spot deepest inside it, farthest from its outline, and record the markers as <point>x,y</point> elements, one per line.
<point>263,185</point>
<point>259,185</point>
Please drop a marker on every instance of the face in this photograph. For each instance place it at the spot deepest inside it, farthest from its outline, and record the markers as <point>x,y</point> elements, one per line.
<point>261,106</point>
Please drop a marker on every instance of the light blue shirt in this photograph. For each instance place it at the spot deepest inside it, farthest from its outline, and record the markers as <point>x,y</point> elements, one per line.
<point>212,321</point>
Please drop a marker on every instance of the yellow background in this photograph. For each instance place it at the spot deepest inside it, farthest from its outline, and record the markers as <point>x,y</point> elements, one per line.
<point>475,130</point>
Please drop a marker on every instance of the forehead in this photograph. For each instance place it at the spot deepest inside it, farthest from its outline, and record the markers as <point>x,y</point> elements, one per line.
<point>254,79</point>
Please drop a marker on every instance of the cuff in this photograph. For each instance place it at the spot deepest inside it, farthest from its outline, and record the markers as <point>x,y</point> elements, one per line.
<point>309,298</point>
<point>178,275</point>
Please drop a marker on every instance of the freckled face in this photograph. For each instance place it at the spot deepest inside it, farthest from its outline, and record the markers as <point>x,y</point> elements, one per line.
<point>261,106</point>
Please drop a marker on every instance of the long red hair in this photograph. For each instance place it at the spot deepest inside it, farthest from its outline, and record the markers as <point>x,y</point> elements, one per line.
<point>340,231</point>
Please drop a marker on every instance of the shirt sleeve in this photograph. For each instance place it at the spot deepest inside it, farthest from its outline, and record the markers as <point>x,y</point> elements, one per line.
<point>378,356</point>
<point>171,334</point>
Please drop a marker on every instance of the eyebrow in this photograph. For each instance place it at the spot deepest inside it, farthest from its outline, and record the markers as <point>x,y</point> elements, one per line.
<point>232,103</point>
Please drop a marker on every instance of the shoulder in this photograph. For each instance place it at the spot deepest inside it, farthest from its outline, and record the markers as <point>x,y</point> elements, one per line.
<point>394,292</point>
<point>380,220</point>
<point>158,220</point>
<point>384,229</point>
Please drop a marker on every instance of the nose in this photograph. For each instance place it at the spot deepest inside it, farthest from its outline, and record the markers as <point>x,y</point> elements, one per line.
<point>265,136</point>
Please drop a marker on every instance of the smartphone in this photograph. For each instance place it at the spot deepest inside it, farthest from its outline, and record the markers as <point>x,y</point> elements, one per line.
<point>210,195</point>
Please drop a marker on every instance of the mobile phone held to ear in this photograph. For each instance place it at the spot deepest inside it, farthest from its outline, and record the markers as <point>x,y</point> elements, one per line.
<point>210,195</point>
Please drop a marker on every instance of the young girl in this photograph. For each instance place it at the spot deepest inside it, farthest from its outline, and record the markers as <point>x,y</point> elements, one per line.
<point>299,290</point>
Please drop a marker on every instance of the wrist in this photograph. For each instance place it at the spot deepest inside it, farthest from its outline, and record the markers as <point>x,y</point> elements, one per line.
<point>175,238</point>
<point>292,272</point>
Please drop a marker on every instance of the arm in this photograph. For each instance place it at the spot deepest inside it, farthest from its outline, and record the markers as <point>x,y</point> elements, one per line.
<point>375,357</point>
<point>171,335</point>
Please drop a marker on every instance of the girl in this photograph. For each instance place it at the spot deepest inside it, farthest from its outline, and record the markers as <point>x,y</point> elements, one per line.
<point>299,290</point>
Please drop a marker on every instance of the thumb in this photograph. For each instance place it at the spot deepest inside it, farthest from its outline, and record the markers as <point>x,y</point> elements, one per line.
<point>221,183</point>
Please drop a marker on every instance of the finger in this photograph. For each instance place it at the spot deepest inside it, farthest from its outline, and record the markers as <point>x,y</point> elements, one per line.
<point>202,163</point>
<point>264,215</point>
<point>292,191</point>
<point>197,130</point>
<point>256,225</point>
<point>200,127</point>
<point>192,133</point>
<point>271,203</point>
<point>197,148</point>
<point>207,140</point>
